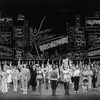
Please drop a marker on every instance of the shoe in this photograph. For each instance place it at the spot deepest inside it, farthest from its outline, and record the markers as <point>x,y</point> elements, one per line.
<point>75,91</point>
<point>68,94</point>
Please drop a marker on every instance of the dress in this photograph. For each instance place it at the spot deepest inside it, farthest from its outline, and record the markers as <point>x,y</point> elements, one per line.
<point>9,71</point>
<point>98,78</point>
<point>0,80</point>
<point>4,82</point>
<point>90,79</point>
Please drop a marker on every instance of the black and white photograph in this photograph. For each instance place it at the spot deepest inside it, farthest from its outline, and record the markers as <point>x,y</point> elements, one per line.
<point>49,49</point>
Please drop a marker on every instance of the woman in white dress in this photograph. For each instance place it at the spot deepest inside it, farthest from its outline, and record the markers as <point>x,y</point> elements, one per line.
<point>4,81</point>
<point>0,78</point>
<point>9,80</point>
<point>14,76</point>
<point>90,73</point>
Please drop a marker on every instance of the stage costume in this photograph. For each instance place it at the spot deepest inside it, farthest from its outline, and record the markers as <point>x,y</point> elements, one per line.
<point>54,79</point>
<point>85,80</point>
<point>4,89</point>
<point>25,79</point>
<point>66,80</point>
<point>76,79</point>
<point>14,75</point>
<point>40,77</point>
<point>33,75</point>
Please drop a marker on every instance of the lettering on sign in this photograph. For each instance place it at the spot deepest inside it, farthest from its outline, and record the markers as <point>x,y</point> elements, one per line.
<point>20,43</point>
<point>6,22</point>
<point>54,43</point>
<point>96,46</point>
<point>92,23</point>
<point>6,52</point>
<point>79,55</point>
<point>5,36</point>
<point>93,53</point>
<point>79,32</point>
<point>94,38</point>
<point>18,32</point>
<point>79,42</point>
<point>18,53</point>
<point>4,48</point>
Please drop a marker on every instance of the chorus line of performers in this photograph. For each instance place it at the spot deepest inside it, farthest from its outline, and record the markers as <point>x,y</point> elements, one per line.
<point>33,74</point>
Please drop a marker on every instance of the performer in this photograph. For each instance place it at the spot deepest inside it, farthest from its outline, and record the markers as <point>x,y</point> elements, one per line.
<point>14,75</point>
<point>47,72</point>
<point>85,79</point>
<point>0,77</point>
<point>25,78</point>
<point>94,77</point>
<point>4,81</point>
<point>9,80</point>
<point>76,78</point>
<point>66,78</point>
<point>33,75</point>
<point>40,77</point>
<point>90,73</point>
<point>54,79</point>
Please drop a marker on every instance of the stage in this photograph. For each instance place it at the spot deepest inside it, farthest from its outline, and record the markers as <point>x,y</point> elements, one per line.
<point>47,95</point>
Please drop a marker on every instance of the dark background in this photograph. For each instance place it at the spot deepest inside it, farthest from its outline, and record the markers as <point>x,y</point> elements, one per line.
<point>57,12</point>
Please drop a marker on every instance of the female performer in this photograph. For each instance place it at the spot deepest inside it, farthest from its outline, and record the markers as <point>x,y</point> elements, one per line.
<point>66,78</point>
<point>40,77</point>
<point>14,75</point>
<point>54,79</point>
<point>4,81</point>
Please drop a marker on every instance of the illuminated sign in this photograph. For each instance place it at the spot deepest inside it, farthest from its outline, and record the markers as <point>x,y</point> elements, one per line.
<point>94,38</point>
<point>5,52</point>
<point>93,53</point>
<point>92,23</point>
<point>6,22</point>
<point>20,43</point>
<point>54,43</point>
<point>80,42</point>
<point>5,36</point>
<point>79,32</point>
<point>79,55</point>
<point>18,32</point>
<point>18,53</point>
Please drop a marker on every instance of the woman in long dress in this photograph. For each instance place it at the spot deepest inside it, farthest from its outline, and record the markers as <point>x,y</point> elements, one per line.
<point>90,73</point>
<point>4,81</point>
<point>40,77</point>
<point>9,80</point>
<point>0,78</point>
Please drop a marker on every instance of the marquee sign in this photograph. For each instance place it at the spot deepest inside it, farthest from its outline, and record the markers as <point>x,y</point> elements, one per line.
<point>6,21</point>
<point>18,32</point>
<point>92,23</point>
<point>54,43</point>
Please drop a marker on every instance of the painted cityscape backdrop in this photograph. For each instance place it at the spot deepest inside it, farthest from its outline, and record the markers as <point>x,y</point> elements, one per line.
<point>50,36</point>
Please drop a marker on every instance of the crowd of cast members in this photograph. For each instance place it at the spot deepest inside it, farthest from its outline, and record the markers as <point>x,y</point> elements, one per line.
<point>36,75</point>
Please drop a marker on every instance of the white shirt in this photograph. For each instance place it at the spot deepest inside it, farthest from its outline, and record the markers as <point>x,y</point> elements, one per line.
<point>77,72</point>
